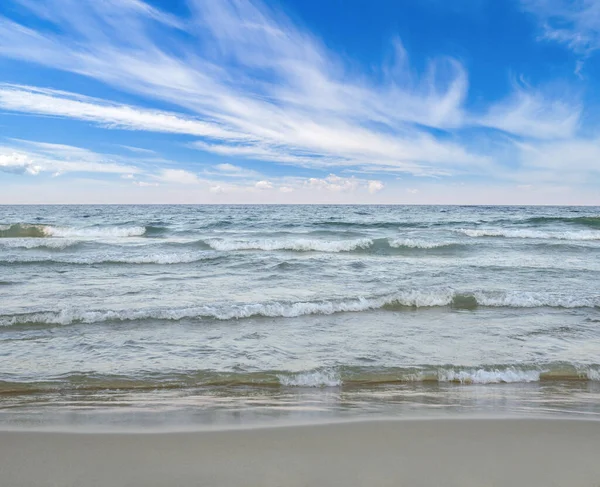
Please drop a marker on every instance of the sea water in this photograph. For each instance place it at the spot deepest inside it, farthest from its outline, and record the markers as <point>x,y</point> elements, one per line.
<point>159,314</point>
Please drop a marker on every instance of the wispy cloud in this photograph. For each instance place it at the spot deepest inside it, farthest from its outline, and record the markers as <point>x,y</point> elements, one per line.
<point>111,115</point>
<point>576,24</point>
<point>33,158</point>
<point>247,83</point>
<point>227,170</point>
<point>530,112</point>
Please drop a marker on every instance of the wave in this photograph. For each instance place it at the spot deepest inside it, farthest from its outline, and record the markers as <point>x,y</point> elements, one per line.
<point>95,232</point>
<point>335,246</point>
<point>373,225</point>
<point>311,378</point>
<point>581,235</point>
<point>299,245</point>
<point>395,302</point>
<point>23,230</point>
<point>37,243</point>
<point>588,221</point>
<point>324,377</point>
<point>499,374</point>
<point>161,259</point>
<point>409,243</point>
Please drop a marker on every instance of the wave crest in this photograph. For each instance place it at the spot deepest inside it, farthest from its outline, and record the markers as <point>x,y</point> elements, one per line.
<point>299,245</point>
<point>314,245</point>
<point>37,243</point>
<point>398,301</point>
<point>24,230</point>
<point>323,377</point>
<point>160,259</point>
<point>311,378</point>
<point>580,235</point>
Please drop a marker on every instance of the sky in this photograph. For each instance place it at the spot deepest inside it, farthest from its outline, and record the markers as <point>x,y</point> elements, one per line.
<point>300,101</point>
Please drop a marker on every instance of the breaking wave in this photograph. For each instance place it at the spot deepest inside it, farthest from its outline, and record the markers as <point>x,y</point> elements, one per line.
<point>311,378</point>
<point>299,245</point>
<point>398,301</point>
<point>581,235</point>
<point>324,377</point>
<point>37,243</point>
<point>161,259</point>
<point>492,374</point>
<point>21,230</point>
<point>314,245</point>
<point>409,243</point>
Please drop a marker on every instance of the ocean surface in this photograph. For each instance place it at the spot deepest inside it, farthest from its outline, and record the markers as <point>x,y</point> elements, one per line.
<point>231,314</point>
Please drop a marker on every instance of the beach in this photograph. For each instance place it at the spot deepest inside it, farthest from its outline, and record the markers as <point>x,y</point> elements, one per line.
<point>299,346</point>
<point>432,452</point>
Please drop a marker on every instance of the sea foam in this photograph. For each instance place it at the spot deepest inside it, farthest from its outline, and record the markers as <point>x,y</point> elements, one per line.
<point>105,258</point>
<point>312,378</point>
<point>396,301</point>
<point>24,230</point>
<point>95,232</point>
<point>300,245</point>
<point>580,235</point>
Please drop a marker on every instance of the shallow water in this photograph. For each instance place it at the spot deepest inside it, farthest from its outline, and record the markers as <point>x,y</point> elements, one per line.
<point>166,308</point>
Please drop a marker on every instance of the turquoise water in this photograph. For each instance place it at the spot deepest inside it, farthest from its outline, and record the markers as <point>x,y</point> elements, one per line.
<point>167,307</point>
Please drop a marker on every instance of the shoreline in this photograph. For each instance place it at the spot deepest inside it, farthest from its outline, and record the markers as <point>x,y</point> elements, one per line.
<point>134,428</point>
<point>416,451</point>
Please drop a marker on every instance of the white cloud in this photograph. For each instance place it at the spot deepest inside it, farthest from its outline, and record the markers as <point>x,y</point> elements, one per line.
<point>111,115</point>
<point>263,185</point>
<point>144,184</point>
<point>531,113</point>
<point>375,186</point>
<point>138,150</point>
<point>576,24</point>
<point>58,159</point>
<point>178,176</point>
<point>334,183</point>
<point>228,168</point>
<point>232,171</point>
<point>304,108</point>
<point>571,161</point>
<point>18,164</point>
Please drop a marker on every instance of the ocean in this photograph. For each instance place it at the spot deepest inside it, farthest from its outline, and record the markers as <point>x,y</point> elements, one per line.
<point>179,315</point>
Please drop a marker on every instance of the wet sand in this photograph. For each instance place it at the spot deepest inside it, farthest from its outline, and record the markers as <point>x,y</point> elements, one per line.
<point>433,452</point>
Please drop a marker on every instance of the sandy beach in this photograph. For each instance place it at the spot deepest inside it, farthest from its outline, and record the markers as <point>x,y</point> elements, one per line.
<point>444,452</point>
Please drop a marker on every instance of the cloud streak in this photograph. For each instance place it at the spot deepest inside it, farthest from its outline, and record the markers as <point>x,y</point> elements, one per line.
<point>34,158</point>
<point>246,83</point>
<point>575,24</point>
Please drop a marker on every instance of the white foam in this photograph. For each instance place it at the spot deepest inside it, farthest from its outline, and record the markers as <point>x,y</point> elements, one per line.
<point>313,378</point>
<point>581,235</point>
<point>162,259</point>
<point>95,232</point>
<point>485,376</point>
<point>235,311</point>
<point>417,244</point>
<point>413,298</point>
<point>36,243</point>
<point>593,374</point>
<point>527,299</point>
<point>300,245</point>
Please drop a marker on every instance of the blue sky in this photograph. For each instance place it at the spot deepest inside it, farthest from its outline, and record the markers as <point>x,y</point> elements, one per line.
<point>300,101</point>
